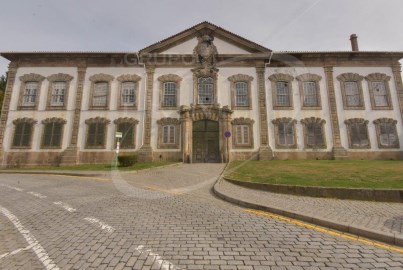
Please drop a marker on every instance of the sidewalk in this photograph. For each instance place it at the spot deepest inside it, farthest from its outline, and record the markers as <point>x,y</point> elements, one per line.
<point>381,221</point>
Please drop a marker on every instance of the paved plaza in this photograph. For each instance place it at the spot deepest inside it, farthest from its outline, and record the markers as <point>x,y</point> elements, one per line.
<point>166,218</point>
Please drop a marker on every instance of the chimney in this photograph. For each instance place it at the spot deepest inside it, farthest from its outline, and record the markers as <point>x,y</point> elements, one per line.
<point>354,43</point>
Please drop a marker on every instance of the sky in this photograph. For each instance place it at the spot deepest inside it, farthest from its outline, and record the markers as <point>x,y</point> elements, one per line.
<point>130,25</point>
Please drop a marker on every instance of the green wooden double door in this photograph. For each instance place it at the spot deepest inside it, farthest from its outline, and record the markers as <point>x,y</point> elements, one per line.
<point>206,144</point>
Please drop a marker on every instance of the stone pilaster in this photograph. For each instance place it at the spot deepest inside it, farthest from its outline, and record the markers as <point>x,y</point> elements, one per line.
<point>397,75</point>
<point>12,71</point>
<point>265,152</point>
<point>71,154</point>
<point>338,151</point>
<point>145,153</point>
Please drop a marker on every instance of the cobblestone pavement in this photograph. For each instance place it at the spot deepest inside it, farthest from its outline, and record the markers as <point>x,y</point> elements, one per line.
<point>160,219</point>
<point>376,216</point>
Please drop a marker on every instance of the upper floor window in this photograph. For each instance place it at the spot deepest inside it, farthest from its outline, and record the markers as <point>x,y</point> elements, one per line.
<point>206,90</point>
<point>387,133</point>
<point>129,84</point>
<point>168,133</point>
<point>127,126</point>
<point>309,90</point>
<point>351,89</point>
<point>285,133</point>
<point>23,132</point>
<point>282,91</point>
<point>242,132</point>
<point>241,91</point>
<point>169,94</point>
<point>378,84</point>
<point>357,130</point>
<point>314,132</point>
<point>58,91</point>
<point>96,132</point>
<point>100,91</point>
<point>52,132</point>
<point>30,91</point>
<point>169,91</point>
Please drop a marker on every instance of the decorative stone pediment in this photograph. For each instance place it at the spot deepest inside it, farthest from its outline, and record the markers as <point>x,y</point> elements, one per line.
<point>347,77</point>
<point>284,120</point>
<point>377,77</point>
<point>101,77</point>
<point>170,78</point>
<point>168,121</point>
<point>200,112</point>
<point>240,78</point>
<point>313,120</point>
<point>355,121</point>
<point>54,120</point>
<point>242,121</point>
<point>385,120</point>
<point>308,77</point>
<point>25,120</point>
<point>128,78</point>
<point>60,77</point>
<point>281,77</point>
<point>32,77</point>
<point>130,120</point>
<point>102,120</point>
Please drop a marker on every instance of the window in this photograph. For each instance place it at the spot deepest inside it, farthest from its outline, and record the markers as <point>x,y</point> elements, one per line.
<point>285,133</point>
<point>96,132</point>
<point>169,91</point>
<point>100,91</point>
<point>128,128</point>
<point>206,90</point>
<point>168,133</point>
<point>30,91</point>
<point>313,132</point>
<point>23,132</point>
<point>282,91</point>
<point>52,132</point>
<point>357,133</point>
<point>351,89</point>
<point>169,99</point>
<point>309,90</point>
<point>128,94</point>
<point>58,91</point>
<point>240,91</point>
<point>387,133</point>
<point>242,132</point>
<point>378,85</point>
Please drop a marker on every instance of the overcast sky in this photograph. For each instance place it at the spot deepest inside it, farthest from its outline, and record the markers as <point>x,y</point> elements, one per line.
<point>130,25</point>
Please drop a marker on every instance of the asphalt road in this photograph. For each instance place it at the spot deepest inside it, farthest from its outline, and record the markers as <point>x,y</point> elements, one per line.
<point>159,219</point>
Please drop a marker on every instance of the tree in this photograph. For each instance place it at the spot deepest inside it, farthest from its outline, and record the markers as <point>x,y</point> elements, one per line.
<point>3,83</point>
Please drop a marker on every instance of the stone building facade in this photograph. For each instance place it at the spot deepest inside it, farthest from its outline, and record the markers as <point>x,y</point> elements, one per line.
<point>202,95</point>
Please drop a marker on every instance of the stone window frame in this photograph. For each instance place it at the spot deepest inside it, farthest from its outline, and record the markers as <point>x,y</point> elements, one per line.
<point>204,73</point>
<point>97,78</point>
<point>27,120</point>
<point>351,77</point>
<point>242,121</point>
<point>94,120</point>
<point>129,120</point>
<point>284,120</point>
<point>31,77</point>
<point>281,77</point>
<point>318,121</point>
<point>309,77</point>
<point>167,122</point>
<point>56,120</point>
<point>374,77</point>
<point>349,123</point>
<point>379,121</point>
<point>236,79</point>
<point>169,78</point>
<point>128,78</point>
<point>59,77</point>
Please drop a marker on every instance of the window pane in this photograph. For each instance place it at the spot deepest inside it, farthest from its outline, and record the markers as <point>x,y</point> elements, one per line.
<point>239,134</point>
<point>100,94</point>
<point>128,93</point>
<point>127,140</point>
<point>283,94</point>
<point>171,134</point>
<point>282,134</point>
<point>245,135</point>
<point>241,94</point>
<point>388,136</point>
<point>310,94</point>
<point>380,95</point>
<point>169,94</point>
<point>58,93</point>
<point>30,92</point>
<point>352,94</point>
<point>315,135</point>
<point>205,89</point>
<point>96,134</point>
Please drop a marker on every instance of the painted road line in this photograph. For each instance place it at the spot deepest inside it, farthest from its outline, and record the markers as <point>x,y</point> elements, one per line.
<point>65,206</point>
<point>332,232</point>
<point>157,259</point>
<point>38,195</point>
<point>11,187</point>
<point>100,224</point>
<point>14,252</point>
<point>31,240</point>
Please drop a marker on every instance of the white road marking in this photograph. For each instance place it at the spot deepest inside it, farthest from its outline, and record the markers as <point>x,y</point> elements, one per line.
<point>100,224</point>
<point>66,206</point>
<point>162,264</point>
<point>11,187</point>
<point>36,194</point>
<point>31,240</point>
<point>14,252</point>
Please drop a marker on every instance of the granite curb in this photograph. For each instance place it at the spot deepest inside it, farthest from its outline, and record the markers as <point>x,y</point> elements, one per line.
<point>331,224</point>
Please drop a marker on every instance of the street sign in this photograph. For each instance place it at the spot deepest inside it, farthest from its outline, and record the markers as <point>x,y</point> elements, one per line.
<point>227,134</point>
<point>118,134</point>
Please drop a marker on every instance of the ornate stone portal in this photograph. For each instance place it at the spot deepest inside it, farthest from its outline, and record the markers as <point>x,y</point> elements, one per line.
<point>221,115</point>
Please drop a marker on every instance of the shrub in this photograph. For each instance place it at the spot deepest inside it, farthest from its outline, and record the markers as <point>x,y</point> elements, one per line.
<point>127,161</point>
